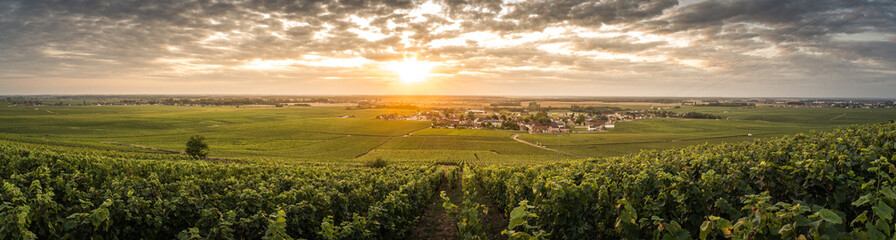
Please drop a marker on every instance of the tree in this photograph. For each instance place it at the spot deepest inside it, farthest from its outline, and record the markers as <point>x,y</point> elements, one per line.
<point>580,119</point>
<point>542,118</point>
<point>196,147</point>
<point>533,106</point>
<point>510,125</point>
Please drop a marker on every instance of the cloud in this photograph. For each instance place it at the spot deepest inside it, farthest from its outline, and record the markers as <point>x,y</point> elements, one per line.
<point>632,47</point>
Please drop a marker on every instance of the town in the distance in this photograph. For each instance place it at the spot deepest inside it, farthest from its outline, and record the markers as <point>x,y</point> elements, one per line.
<point>534,118</point>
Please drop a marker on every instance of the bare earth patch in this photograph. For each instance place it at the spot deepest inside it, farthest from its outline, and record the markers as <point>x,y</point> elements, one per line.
<point>435,224</point>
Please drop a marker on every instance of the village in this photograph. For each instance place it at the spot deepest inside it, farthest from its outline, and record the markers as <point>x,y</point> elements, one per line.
<point>538,122</point>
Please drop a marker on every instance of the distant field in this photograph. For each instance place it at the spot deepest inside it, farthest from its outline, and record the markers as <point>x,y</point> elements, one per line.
<point>317,134</point>
<point>662,133</point>
<point>465,132</point>
<point>312,133</point>
<point>624,105</point>
<point>829,117</point>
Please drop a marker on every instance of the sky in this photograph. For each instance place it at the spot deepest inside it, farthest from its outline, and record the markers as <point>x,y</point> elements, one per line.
<point>686,48</point>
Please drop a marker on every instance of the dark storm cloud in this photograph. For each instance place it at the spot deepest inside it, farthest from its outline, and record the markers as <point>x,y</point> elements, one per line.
<point>662,40</point>
<point>800,18</point>
<point>588,13</point>
<point>536,15</point>
<point>622,44</point>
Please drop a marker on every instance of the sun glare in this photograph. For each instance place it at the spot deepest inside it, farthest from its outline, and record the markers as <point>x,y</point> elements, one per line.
<point>411,70</point>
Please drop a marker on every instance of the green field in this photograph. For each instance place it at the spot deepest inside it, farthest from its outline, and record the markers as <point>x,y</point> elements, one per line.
<point>282,133</point>
<point>317,134</point>
<point>304,172</point>
<point>663,133</point>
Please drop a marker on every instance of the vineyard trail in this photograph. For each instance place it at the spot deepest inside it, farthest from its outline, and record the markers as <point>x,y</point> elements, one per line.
<point>494,220</point>
<point>434,224</point>
<point>517,138</point>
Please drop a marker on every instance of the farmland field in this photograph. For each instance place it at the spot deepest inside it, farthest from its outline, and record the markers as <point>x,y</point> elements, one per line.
<point>309,172</point>
<point>818,181</point>
<point>448,119</point>
<point>317,134</point>
<point>739,123</point>
<point>283,133</point>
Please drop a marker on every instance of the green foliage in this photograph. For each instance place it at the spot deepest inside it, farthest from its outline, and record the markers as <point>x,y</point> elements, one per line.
<point>821,185</point>
<point>453,177</point>
<point>277,227</point>
<point>358,228</point>
<point>314,134</point>
<point>57,182</point>
<point>698,115</point>
<point>196,147</point>
<point>519,219</point>
<point>70,195</point>
<point>627,222</point>
<point>781,220</point>
<point>189,234</point>
<point>534,106</point>
<point>378,162</point>
<point>580,119</point>
<point>467,215</point>
<point>540,118</point>
<point>595,110</point>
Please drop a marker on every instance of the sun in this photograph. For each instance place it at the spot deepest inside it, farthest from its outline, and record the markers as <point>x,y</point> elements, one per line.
<point>411,70</point>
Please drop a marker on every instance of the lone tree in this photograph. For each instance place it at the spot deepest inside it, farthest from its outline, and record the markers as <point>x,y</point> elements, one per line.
<point>580,119</point>
<point>196,147</point>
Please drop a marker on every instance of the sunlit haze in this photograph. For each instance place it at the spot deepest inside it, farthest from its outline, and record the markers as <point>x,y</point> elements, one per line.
<point>411,70</point>
<point>734,48</point>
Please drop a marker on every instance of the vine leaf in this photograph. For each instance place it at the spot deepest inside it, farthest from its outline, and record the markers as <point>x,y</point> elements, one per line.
<point>829,216</point>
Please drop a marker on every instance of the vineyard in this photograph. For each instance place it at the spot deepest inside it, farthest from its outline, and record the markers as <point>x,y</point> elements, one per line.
<point>836,184</point>
<point>61,195</point>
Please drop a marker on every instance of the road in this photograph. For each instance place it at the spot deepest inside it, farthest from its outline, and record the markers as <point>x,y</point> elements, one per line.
<point>517,138</point>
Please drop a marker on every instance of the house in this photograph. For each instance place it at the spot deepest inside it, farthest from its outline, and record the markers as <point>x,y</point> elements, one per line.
<point>593,127</point>
<point>609,125</point>
<point>552,128</point>
<point>494,123</point>
<point>538,128</point>
<point>476,112</point>
<point>597,122</point>
<point>565,129</point>
<point>557,128</point>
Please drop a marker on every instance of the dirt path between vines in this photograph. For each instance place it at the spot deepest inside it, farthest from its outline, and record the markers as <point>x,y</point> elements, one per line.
<point>839,116</point>
<point>383,143</point>
<point>434,223</point>
<point>494,222</point>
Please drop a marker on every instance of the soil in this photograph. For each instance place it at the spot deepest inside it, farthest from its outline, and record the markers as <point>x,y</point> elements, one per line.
<point>435,224</point>
<point>494,222</point>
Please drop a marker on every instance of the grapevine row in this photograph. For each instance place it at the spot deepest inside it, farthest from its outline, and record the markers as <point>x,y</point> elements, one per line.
<point>68,195</point>
<point>837,184</point>
<point>467,214</point>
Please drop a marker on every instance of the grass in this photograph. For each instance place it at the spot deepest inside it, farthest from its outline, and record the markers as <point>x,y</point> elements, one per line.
<point>285,133</point>
<point>317,134</point>
<point>663,133</point>
<point>456,156</point>
<point>465,132</point>
<point>821,117</point>
<point>485,150</point>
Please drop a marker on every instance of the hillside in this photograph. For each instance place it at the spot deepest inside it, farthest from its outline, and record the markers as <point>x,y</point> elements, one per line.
<point>835,184</point>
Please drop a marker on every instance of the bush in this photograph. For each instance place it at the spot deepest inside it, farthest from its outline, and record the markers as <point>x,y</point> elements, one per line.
<point>196,147</point>
<point>377,163</point>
